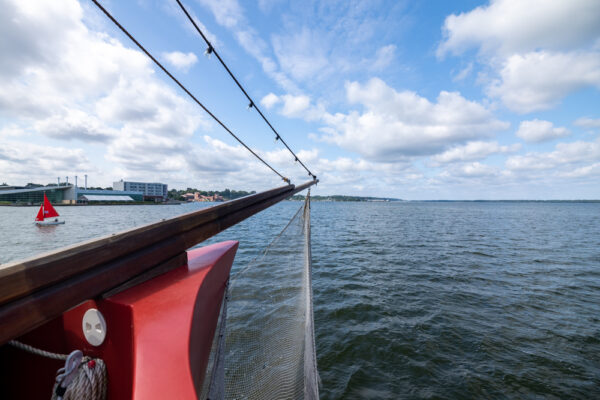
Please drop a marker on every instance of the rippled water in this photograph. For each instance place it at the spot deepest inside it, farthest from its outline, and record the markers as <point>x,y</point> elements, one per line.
<point>419,300</point>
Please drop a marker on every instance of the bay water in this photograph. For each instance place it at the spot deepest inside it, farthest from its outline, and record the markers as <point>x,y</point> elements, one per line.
<point>446,300</point>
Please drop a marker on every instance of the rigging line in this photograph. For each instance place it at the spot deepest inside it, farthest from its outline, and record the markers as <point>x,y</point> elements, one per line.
<point>210,50</point>
<point>185,89</point>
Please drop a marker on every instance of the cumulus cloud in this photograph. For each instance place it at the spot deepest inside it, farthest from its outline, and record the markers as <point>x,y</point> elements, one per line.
<point>471,151</point>
<point>151,105</point>
<point>75,124</point>
<point>564,155</point>
<point>82,85</point>
<point>12,130</point>
<point>294,106</point>
<point>39,160</point>
<point>470,170</point>
<point>270,100</point>
<point>514,26</point>
<point>588,123</point>
<point>539,80</point>
<point>536,64</point>
<point>77,84</point>
<point>536,131</point>
<point>70,65</point>
<point>181,61</point>
<point>581,172</point>
<point>395,125</point>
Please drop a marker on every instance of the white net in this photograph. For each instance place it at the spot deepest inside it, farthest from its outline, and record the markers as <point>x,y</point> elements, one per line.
<point>268,351</point>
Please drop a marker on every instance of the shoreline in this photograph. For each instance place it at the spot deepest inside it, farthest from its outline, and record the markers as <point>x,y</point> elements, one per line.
<point>99,204</point>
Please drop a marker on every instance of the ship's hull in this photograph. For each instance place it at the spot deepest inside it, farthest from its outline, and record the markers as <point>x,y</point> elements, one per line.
<point>158,334</point>
<point>49,223</point>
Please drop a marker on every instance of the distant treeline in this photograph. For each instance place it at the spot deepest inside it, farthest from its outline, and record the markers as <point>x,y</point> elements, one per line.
<point>343,198</point>
<point>227,194</point>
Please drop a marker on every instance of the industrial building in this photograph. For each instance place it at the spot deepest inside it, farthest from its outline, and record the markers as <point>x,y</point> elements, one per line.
<point>94,195</point>
<point>20,195</point>
<point>152,191</point>
<point>65,194</point>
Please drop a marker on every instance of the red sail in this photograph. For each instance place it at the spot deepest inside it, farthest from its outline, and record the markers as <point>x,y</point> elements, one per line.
<point>40,215</point>
<point>49,211</point>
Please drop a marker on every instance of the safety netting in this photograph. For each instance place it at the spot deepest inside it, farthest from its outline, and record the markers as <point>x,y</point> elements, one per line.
<point>264,345</point>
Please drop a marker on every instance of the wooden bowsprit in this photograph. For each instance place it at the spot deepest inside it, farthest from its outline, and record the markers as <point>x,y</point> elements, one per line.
<point>36,290</point>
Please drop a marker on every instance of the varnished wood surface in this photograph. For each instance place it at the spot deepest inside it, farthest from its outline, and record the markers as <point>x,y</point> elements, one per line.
<point>39,289</point>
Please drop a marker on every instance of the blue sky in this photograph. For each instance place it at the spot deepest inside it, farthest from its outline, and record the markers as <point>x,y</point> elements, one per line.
<point>416,100</point>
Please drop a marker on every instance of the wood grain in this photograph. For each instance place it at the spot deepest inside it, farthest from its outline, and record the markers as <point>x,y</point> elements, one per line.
<point>39,289</point>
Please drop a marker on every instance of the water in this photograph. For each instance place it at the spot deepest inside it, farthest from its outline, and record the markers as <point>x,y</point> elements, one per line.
<point>418,300</point>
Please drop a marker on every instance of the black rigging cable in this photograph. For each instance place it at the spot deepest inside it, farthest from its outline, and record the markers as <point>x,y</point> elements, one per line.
<point>211,50</point>
<point>185,89</point>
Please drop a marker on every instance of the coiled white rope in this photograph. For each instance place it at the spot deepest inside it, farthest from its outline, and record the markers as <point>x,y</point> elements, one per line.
<point>82,377</point>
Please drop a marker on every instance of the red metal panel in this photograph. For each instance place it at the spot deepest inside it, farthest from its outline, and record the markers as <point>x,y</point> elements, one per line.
<point>159,333</point>
<point>163,313</point>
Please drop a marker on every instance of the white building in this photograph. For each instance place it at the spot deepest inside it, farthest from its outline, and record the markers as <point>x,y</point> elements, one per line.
<point>150,190</point>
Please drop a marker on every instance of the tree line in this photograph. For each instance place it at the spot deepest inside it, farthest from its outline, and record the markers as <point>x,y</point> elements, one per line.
<point>227,194</point>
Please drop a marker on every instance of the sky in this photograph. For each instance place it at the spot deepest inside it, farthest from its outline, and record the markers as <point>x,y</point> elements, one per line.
<point>417,100</point>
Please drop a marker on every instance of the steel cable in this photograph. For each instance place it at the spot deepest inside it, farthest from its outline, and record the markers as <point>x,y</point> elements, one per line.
<point>185,89</point>
<point>211,50</point>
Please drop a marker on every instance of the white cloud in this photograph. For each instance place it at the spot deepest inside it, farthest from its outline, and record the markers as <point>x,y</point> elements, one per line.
<point>396,125</point>
<point>588,123</point>
<point>227,12</point>
<point>150,105</point>
<point>77,84</point>
<point>137,151</point>
<point>172,8</point>
<point>181,61</point>
<point>536,131</point>
<point>12,130</point>
<point>463,73</point>
<point>29,162</point>
<point>537,51</point>
<point>267,5</point>
<point>512,26</point>
<point>473,151</point>
<point>230,14</point>
<point>470,170</point>
<point>303,54</point>
<point>270,100</point>
<point>75,124</point>
<point>294,106</point>
<point>581,172</point>
<point>70,65</point>
<point>384,57</point>
<point>539,80</point>
<point>564,155</point>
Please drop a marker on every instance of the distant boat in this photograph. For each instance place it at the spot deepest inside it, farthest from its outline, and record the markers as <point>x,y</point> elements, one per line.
<point>47,211</point>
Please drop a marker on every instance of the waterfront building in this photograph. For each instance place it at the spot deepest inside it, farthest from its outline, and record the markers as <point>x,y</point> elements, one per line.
<point>34,195</point>
<point>200,197</point>
<point>188,196</point>
<point>65,194</point>
<point>98,198</point>
<point>151,191</point>
<point>196,197</point>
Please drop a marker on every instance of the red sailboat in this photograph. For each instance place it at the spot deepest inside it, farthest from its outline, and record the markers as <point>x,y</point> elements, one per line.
<point>47,211</point>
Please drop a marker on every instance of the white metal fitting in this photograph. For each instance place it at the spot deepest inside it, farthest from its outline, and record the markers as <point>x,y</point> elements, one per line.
<point>94,327</point>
